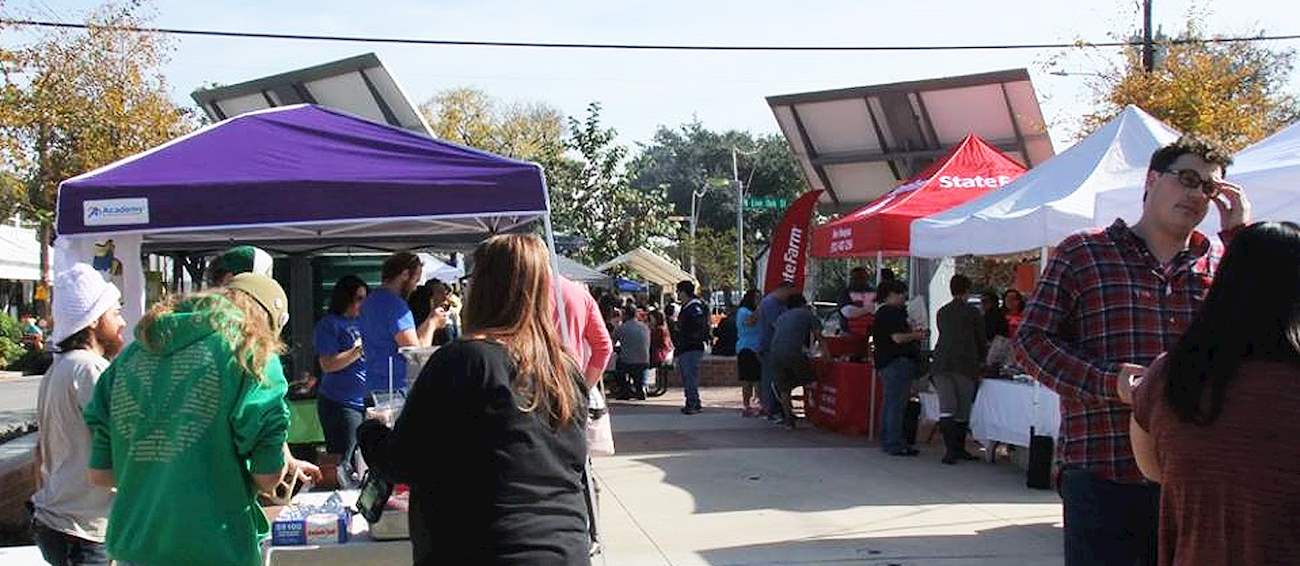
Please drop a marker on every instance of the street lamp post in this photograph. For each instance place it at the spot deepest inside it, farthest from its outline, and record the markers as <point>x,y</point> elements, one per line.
<point>695,195</point>
<point>740,224</point>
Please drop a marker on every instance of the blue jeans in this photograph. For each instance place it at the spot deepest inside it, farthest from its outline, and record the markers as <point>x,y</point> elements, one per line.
<point>898,376</point>
<point>339,422</point>
<point>1107,522</point>
<point>767,385</point>
<point>688,365</point>
<point>62,549</point>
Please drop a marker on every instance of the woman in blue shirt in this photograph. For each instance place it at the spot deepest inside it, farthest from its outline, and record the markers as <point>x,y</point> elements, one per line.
<point>340,400</point>
<point>748,335</point>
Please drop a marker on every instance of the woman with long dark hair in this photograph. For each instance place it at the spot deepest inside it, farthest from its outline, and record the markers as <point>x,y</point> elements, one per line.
<point>1214,418</point>
<point>492,439</point>
<point>341,397</point>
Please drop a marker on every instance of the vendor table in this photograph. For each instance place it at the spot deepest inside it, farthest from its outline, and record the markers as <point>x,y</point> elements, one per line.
<point>304,423</point>
<point>1005,409</point>
<point>845,397</point>
<point>360,548</point>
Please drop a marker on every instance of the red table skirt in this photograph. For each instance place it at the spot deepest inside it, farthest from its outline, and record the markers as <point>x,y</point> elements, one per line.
<point>840,399</point>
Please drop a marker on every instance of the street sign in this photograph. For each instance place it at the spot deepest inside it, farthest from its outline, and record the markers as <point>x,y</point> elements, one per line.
<point>766,203</point>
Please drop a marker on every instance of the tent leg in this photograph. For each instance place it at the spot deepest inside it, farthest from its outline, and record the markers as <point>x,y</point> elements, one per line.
<point>880,265</point>
<point>1042,259</point>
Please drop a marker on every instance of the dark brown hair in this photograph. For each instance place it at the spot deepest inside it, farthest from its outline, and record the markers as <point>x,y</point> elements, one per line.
<point>1207,150</point>
<point>400,263</point>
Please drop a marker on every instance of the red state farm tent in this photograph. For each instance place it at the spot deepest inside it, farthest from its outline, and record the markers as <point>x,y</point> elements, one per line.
<point>883,226</point>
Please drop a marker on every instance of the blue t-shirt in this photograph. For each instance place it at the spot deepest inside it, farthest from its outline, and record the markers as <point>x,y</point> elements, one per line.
<point>770,309</point>
<point>336,334</point>
<point>384,314</point>
<point>747,337</point>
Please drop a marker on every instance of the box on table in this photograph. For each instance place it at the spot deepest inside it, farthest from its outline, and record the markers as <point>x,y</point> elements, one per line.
<point>299,525</point>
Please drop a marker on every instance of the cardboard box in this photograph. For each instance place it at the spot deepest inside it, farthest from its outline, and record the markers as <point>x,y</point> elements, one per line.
<point>299,526</point>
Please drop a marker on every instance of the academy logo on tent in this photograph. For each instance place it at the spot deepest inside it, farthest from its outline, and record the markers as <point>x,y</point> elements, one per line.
<point>115,212</point>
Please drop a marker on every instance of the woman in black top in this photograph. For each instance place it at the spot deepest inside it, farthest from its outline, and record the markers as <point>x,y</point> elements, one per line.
<point>492,439</point>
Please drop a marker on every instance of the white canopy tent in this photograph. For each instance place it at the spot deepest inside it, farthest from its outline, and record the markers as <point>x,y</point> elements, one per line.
<point>1052,200</point>
<point>1269,171</point>
<point>574,271</point>
<point>434,268</point>
<point>20,254</point>
<point>652,267</point>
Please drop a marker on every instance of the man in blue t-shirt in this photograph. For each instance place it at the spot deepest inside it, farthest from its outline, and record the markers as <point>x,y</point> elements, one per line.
<point>769,309</point>
<point>387,323</point>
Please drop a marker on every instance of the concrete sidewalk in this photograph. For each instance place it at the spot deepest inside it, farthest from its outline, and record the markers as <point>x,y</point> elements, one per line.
<point>716,488</point>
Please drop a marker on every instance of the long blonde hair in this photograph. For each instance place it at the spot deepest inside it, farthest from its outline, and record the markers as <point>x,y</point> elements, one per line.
<point>511,301</point>
<point>233,314</point>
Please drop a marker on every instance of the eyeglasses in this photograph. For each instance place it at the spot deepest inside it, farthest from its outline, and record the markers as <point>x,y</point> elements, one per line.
<point>1190,179</point>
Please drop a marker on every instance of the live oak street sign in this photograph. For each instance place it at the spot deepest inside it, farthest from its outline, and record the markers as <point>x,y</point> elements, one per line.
<point>761,203</point>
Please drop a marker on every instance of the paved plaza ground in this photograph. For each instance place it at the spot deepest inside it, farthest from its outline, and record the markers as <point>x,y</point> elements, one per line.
<point>716,488</point>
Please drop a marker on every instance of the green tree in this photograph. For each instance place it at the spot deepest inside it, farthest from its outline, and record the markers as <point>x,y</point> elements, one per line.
<point>715,257</point>
<point>1231,93</point>
<point>590,194</point>
<point>73,101</point>
<point>596,201</point>
<point>693,158</point>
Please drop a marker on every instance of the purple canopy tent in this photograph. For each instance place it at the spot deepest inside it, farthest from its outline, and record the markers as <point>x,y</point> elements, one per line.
<point>295,179</point>
<point>302,172</point>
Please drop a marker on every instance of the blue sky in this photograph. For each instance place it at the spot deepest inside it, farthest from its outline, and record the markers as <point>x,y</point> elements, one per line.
<point>642,90</point>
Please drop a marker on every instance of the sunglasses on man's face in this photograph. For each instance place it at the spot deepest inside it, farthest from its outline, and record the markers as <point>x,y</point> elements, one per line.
<point>1191,179</point>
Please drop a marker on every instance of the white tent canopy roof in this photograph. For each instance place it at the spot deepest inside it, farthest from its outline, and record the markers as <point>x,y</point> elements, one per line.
<point>652,267</point>
<point>574,271</point>
<point>20,254</point>
<point>1269,171</point>
<point>435,268</point>
<point>1052,200</point>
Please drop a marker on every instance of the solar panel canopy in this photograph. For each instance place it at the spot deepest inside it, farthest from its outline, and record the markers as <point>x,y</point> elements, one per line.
<point>359,85</point>
<point>858,143</point>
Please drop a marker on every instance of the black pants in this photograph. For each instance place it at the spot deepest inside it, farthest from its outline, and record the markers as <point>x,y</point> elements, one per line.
<point>62,549</point>
<point>631,376</point>
<point>339,422</point>
<point>1108,523</point>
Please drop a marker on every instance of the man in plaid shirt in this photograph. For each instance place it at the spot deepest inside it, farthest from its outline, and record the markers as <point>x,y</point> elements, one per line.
<point>1108,303</point>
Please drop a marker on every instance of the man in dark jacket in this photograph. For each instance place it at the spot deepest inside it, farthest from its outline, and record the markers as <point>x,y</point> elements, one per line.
<point>958,360</point>
<point>693,332</point>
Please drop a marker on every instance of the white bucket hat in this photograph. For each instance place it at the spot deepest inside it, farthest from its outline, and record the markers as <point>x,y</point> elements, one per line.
<point>81,296</point>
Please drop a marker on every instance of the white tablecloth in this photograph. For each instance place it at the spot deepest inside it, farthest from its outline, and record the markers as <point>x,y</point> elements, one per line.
<point>360,548</point>
<point>1004,411</point>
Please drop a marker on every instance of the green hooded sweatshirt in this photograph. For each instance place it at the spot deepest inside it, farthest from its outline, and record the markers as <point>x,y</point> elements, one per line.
<point>182,429</point>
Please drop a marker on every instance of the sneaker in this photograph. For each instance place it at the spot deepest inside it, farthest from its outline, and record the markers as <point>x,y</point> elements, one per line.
<point>775,418</point>
<point>751,412</point>
<point>788,424</point>
<point>690,410</point>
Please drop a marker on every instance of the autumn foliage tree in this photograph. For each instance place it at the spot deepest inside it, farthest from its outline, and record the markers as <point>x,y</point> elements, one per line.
<point>72,101</point>
<point>1234,93</point>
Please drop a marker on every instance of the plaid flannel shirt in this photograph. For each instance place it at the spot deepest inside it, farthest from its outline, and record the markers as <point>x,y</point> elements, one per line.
<point>1104,300</point>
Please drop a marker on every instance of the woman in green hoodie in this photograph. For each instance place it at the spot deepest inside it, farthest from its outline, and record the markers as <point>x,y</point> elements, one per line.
<point>189,423</point>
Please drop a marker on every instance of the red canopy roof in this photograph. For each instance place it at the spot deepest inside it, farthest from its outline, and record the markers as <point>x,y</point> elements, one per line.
<point>968,170</point>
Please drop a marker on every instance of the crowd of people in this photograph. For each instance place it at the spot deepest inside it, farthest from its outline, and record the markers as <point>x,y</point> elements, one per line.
<point>1173,360</point>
